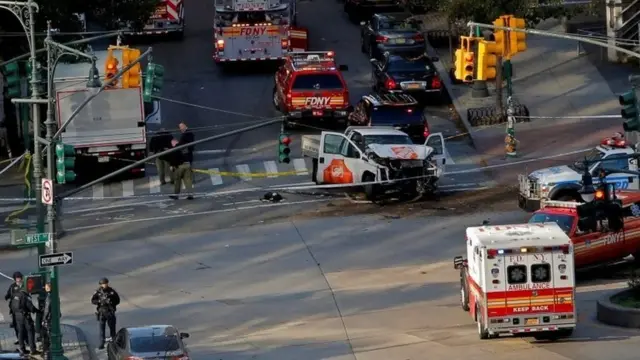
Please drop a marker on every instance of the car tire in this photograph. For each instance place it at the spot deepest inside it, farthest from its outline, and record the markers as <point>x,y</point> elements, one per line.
<point>370,190</point>
<point>274,98</point>
<point>464,291</point>
<point>314,171</point>
<point>483,333</point>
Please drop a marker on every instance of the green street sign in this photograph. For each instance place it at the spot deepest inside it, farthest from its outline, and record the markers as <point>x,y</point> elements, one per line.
<point>20,238</point>
<point>37,238</point>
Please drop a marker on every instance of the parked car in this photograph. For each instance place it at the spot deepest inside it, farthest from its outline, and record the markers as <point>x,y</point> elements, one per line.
<point>393,33</point>
<point>415,76</point>
<point>161,342</point>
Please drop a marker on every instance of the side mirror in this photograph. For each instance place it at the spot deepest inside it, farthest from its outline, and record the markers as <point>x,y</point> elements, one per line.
<point>435,59</point>
<point>343,68</point>
<point>363,23</point>
<point>184,335</point>
<point>458,262</point>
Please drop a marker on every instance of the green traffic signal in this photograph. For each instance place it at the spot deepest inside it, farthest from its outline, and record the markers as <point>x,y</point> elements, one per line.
<point>629,111</point>
<point>153,81</point>
<point>11,73</point>
<point>283,148</point>
<point>65,162</point>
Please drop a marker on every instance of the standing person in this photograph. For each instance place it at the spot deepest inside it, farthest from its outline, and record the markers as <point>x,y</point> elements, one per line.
<point>45,327</point>
<point>11,291</point>
<point>187,137</point>
<point>160,142</point>
<point>106,300</point>
<point>182,171</point>
<point>22,307</point>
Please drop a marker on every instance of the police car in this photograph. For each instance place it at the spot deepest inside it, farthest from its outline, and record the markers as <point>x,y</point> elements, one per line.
<point>562,183</point>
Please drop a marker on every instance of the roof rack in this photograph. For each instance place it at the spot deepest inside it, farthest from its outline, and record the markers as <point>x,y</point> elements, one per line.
<point>391,99</point>
<point>559,204</point>
<point>315,59</point>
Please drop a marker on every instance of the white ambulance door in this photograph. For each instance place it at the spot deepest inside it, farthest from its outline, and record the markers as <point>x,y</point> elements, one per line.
<point>495,285</point>
<point>517,274</point>
<point>563,273</point>
<point>436,141</point>
<point>541,295</point>
<point>339,160</point>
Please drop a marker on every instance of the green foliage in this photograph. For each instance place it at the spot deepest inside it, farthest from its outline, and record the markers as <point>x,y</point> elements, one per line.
<point>112,14</point>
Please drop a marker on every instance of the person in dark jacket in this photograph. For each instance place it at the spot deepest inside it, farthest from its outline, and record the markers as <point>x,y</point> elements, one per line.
<point>22,308</point>
<point>45,328</point>
<point>106,300</point>
<point>187,137</point>
<point>13,289</point>
<point>182,172</point>
<point>160,142</point>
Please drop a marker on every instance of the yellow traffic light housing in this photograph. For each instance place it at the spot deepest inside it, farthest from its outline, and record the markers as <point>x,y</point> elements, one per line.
<point>459,64</point>
<point>111,68</point>
<point>500,36</point>
<point>516,38</point>
<point>465,59</point>
<point>488,52</point>
<point>469,65</point>
<point>131,78</point>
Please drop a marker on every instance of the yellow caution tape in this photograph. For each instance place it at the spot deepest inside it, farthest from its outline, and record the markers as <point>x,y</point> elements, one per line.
<point>252,175</point>
<point>26,165</point>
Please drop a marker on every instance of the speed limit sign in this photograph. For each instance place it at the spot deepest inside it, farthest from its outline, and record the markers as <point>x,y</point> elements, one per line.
<point>47,191</point>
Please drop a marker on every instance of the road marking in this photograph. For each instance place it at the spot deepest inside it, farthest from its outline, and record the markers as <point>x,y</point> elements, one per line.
<point>241,202</point>
<point>244,169</point>
<point>271,168</point>
<point>216,179</point>
<point>127,188</point>
<point>98,213</point>
<point>465,189</point>
<point>448,157</point>
<point>98,191</point>
<point>94,209</point>
<point>459,185</point>
<point>300,166</point>
<point>167,217</point>
<point>154,185</point>
<point>223,151</point>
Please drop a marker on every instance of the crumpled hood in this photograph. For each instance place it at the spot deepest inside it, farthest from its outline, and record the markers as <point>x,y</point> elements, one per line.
<point>401,151</point>
<point>556,174</point>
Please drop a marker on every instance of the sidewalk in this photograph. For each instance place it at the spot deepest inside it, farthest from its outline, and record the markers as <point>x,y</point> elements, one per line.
<point>74,341</point>
<point>553,81</point>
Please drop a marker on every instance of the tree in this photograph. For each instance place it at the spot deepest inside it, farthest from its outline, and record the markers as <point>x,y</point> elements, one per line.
<point>116,14</point>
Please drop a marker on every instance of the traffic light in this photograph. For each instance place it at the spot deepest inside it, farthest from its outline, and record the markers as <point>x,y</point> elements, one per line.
<point>111,68</point>
<point>65,162</point>
<point>465,60</point>
<point>34,284</point>
<point>131,78</point>
<point>153,82</point>
<point>516,38</point>
<point>500,36</point>
<point>469,60</point>
<point>629,111</point>
<point>459,64</point>
<point>11,73</point>
<point>283,148</point>
<point>488,52</point>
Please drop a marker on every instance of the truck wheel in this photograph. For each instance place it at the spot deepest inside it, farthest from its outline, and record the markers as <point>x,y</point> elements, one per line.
<point>464,291</point>
<point>370,190</point>
<point>483,333</point>
<point>276,102</point>
<point>314,171</point>
<point>569,198</point>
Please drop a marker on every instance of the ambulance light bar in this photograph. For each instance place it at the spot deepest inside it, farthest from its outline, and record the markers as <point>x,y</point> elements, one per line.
<point>248,25</point>
<point>560,204</point>
<point>491,253</point>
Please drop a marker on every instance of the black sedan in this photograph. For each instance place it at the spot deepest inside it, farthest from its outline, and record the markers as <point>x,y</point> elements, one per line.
<point>415,76</point>
<point>358,10</point>
<point>396,33</point>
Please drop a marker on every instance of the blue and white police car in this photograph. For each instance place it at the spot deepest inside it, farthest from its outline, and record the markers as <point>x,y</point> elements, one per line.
<point>562,183</point>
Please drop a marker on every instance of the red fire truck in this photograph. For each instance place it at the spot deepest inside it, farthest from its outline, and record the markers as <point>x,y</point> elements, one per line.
<point>519,279</point>
<point>168,19</point>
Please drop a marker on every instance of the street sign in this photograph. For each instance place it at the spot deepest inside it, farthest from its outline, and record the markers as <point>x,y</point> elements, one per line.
<point>48,260</point>
<point>47,191</point>
<point>37,238</point>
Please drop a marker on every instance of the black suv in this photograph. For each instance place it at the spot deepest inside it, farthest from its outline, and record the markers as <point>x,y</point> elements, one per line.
<point>394,33</point>
<point>398,110</point>
<point>416,76</point>
<point>363,9</point>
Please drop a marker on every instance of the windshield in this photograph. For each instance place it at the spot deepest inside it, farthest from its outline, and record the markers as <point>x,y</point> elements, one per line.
<point>251,17</point>
<point>279,17</point>
<point>592,156</point>
<point>396,115</point>
<point>317,82</point>
<point>387,140</point>
<point>406,65</point>
<point>155,344</point>
<point>398,25</point>
<point>564,221</point>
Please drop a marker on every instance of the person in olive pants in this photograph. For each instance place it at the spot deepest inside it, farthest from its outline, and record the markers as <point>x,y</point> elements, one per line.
<point>181,172</point>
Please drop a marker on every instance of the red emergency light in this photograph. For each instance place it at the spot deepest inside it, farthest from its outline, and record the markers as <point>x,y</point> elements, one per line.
<point>599,195</point>
<point>617,142</point>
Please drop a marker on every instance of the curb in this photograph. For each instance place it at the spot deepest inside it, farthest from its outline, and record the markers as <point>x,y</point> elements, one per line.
<point>616,315</point>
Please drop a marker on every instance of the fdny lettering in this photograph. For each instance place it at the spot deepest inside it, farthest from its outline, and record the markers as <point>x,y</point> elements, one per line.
<point>516,259</point>
<point>613,238</point>
<point>529,286</point>
<point>252,31</point>
<point>317,102</point>
<point>531,308</point>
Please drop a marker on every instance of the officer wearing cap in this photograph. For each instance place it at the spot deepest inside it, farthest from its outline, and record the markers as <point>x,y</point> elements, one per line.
<point>45,328</point>
<point>22,307</point>
<point>106,299</point>
<point>12,290</point>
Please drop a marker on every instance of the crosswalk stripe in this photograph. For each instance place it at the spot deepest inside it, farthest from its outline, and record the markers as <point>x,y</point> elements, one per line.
<point>127,188</point>
<point>271,168</point>
<point>154,185</point>
<point>300,166</point>
<point>98,191</point>
<point>244,169</point>
<point>216,179</point>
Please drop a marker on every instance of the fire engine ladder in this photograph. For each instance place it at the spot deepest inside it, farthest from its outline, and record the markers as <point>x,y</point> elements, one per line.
<point>318,58</point>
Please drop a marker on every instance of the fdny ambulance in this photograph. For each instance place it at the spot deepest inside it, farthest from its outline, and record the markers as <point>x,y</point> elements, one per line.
<point>562,183</point>
<point>256,30</point>
<point>520,280</point>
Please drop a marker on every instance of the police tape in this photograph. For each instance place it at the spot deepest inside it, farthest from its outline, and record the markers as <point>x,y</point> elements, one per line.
<point>296,188</point>
<point>251,174</point>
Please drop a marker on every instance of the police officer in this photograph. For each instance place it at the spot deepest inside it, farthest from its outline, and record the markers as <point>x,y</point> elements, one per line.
<point>45,328</point>
<point>14,288</point>
<point>22,307</point>
<point>106,299</point>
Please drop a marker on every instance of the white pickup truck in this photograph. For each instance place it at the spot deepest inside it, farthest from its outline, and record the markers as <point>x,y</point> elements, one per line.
<point>379,157</point>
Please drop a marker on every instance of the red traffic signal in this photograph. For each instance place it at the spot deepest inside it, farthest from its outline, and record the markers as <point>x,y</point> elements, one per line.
<point>34,284</point>
<point>285,140</point>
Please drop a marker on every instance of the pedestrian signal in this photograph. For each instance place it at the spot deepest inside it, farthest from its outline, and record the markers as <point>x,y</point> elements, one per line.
<point>34,284</point>
<point>283,148</point>
<point>111,68</point>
